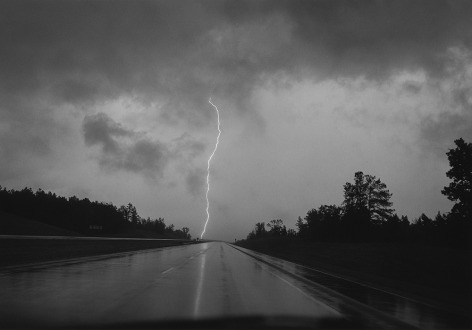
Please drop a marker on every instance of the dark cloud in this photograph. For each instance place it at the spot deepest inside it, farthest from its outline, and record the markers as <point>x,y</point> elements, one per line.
<point>21,149</point>
<point>178,52</point>
<point>438,132</point>
<point>187,148</point>
<point>101,129</point>
<point>27,140</point>
<point>87,51</point>
<point>124,149</point>
<point>146,156</point>
<point>81,53</point>
<point>374,38</point>
<point>412,87</point>
<point>195,182</point>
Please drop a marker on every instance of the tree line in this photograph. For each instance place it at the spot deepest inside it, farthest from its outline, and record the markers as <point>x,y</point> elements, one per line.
<point>82,215</point>
<point>366,213</point>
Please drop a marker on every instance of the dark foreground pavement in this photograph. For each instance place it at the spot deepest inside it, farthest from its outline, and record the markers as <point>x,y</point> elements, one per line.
<point>189,284</point>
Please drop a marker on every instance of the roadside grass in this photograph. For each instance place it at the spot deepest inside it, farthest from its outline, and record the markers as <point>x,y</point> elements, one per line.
<point>431,274</point>
<point>23,251</point>
<point>11,224</point>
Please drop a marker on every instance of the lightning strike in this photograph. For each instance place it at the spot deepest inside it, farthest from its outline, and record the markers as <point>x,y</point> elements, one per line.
<point>208,167</point>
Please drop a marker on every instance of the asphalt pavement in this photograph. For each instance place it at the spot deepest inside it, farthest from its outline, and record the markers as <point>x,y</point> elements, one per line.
<point>204,281</point>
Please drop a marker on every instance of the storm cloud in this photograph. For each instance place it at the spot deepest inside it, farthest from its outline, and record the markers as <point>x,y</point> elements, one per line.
<point>125,85</point>
<point>124,149</point>
<point>195,181</point>
<point>85,51</point>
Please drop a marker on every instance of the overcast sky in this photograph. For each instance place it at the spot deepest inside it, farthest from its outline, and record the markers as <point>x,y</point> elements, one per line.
<point>109,100</point>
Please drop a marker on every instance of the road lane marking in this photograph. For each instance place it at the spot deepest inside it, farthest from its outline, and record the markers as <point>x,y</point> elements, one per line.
<point>271,259</point>
<point>380,318</point>
<point>295,287</point>
<point>168,270</point>
<point>198,296</point>
<point>184,262</point>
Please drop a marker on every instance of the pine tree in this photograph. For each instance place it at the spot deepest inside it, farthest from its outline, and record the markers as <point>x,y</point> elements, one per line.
<point>460,189</point>
<point>368,195</point>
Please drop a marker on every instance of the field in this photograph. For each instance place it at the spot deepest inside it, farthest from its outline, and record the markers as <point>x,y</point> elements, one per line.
<point>435,275</point>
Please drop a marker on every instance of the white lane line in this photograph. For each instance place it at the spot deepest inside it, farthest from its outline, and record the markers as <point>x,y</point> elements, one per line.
<point>183,263</point>
<point>293,286</point>
<point>168,270</point>
<point>198,295</point>
<point>270,259</point>
<point>386,320</point>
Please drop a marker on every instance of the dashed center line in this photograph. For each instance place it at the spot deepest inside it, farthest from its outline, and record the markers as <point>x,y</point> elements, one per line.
<point>168,270</point>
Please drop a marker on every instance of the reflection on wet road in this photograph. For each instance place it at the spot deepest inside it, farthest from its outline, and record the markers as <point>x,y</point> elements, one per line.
<point>194,281</point>
<point>201,280</point>
<point>410,311</point>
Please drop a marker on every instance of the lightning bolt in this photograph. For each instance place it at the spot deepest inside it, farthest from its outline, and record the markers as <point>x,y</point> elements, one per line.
<point>208,167</point>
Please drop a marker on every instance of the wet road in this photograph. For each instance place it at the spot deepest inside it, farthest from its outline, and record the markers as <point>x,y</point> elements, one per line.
<point>194,281</point>
<point>355,296</point>
<point>187,282</point>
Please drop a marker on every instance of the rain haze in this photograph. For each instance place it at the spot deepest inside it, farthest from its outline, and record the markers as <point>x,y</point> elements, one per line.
<point>108,100</point>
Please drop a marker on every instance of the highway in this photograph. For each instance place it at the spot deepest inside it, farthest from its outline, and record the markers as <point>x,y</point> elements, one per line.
<point>207,281</point>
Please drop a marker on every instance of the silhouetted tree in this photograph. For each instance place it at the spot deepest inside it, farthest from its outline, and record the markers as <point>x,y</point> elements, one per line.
<point>395,228</point>
<point>80,215</point>
<point>423,228</point>
<point>159,226</point>
<point>302,228</point>
<point>186,231</point>
<point>260,230</point>
<point>366,213</point>
<point>251,235</point>
<point>322,223</point>
<point>123,210</point>
<point>441,220</point>
<point>460,189</point>
<point>312,220</point>
<point>170,229</point>
<point>291,233</point>
<point>133,216</point>
<point>367,196</point>
<point>283,232</point>
<point>277,228</point>
<point>330,220</point>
